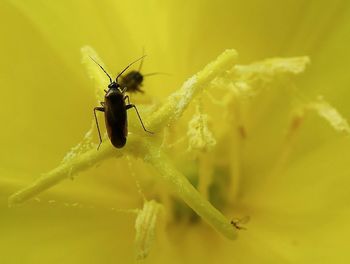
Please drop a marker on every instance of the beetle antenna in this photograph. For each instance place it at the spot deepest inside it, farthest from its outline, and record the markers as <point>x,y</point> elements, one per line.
<point>102,69</point>
<point>116,79</point>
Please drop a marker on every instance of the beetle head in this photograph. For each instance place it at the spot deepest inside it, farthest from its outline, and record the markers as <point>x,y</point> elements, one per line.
<point>113,85</point>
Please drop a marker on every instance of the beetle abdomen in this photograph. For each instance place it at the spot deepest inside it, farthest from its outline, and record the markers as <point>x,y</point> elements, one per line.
<point>118,141</point>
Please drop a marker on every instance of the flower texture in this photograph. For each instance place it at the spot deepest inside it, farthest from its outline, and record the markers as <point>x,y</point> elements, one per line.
<point>248,159</point>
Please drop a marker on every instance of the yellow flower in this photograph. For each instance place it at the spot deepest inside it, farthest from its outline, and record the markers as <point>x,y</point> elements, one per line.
<point>248,137</point>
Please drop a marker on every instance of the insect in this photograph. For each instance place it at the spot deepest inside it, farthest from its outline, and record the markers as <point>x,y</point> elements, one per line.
<point>114,108</point>
<point>237,222</point>
<point>133,79</point>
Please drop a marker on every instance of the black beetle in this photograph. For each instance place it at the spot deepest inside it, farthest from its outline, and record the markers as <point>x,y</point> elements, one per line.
<point>114,107</point>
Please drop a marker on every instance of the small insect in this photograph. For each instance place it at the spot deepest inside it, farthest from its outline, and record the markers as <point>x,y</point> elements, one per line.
<point>133,79</point>
<point>114,107</point>
<point>237,222</point>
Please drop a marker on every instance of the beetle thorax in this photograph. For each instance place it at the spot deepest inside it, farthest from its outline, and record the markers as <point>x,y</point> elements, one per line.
<point>114,93</point>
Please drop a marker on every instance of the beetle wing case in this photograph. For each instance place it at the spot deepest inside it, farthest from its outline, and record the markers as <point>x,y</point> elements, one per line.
<point>116,118</point>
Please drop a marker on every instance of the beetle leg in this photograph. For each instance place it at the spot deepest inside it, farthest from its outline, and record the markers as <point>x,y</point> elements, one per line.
<point>101,109</point>
<point>102,103</point>
<point>127,97</point>
<point>137,112</point>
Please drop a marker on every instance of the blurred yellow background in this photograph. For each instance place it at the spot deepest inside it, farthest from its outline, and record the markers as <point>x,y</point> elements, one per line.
<point>47,106</point>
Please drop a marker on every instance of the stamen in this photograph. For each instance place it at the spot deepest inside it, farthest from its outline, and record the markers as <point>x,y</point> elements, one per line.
<point>145,226</point>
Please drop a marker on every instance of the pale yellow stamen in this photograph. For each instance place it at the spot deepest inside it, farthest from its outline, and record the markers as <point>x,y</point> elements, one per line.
<point>242,83</point>
<point>330,114</point>
<point>145,226</point>
<point>64,170</point>
<point>200,137</point>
